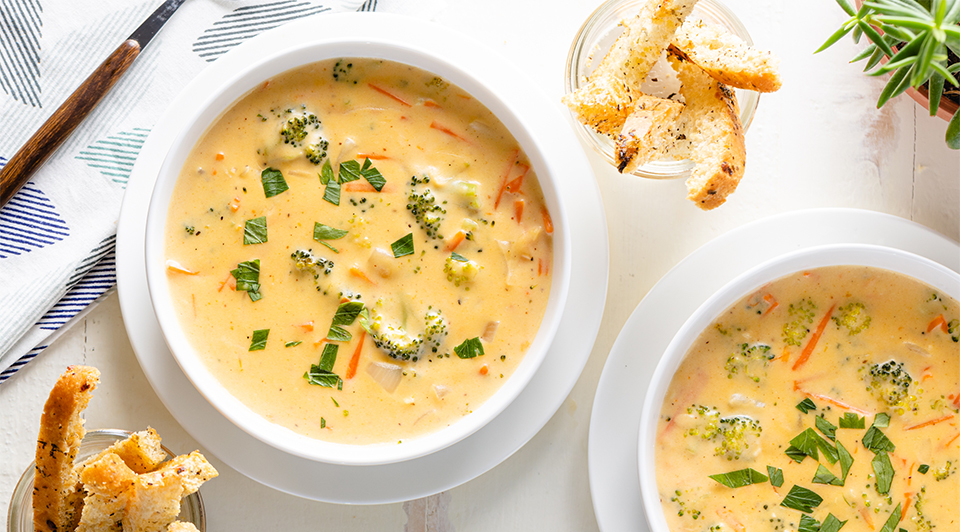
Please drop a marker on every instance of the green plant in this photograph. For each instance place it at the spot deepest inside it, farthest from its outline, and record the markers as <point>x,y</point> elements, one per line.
<point>916,36</point>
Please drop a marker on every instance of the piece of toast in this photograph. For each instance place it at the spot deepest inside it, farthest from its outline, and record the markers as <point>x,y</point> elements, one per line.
<point>56,501</point>
<point>193,470</point>
<point>180,526</point>
<point>646,132</point>
<point>726,57</point>
<point>153,502</point>
<point>107,481</point>
<point>141,452</point>
<point>710,122</point>
<point>603,104</point>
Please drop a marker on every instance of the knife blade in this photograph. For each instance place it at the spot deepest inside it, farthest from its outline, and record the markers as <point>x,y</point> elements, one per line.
<point>45,141</point>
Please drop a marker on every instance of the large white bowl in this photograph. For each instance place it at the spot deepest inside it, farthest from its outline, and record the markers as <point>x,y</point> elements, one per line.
<point>940,277</point>
<point>491,79</point>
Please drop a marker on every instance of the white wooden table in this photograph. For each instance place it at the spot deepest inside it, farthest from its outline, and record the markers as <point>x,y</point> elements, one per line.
<point>819,142</point>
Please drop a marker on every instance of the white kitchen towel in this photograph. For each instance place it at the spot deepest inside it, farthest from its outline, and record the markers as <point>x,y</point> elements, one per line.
<point>57,234</point>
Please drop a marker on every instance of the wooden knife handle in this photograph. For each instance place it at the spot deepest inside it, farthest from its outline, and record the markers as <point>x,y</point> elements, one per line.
<point>64,120</point>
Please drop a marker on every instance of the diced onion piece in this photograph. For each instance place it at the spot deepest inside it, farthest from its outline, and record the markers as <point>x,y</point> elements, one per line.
<point>386,375</point>
<point>440,390</point>
<point>409,400</point>
<point>347,147</point>
<point>490,331</point>
<point>175,266</point>
<point>382,262</point>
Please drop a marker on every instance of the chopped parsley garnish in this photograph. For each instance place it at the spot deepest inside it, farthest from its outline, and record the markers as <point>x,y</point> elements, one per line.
<point>881,420</point>
<point>806,442</point>
<point>802,499</point>
<point>883,470</point>
<point>352,171</point>
<point>852,421</point>
<point>323,423</point>
<point>345,315</point>
<point>325,232</point>
<point>322,374</point>
<point>776,476</point>
<point>808,524</point>
<point>893,520</point>
<point>876,441</point>
<point>294,343</point>
<point>458,257</point>
<point>349,171</point>
<point>846,460</point>
<point>326,173</point>
<point>273,182</point>
<point>259,341</point>
<point>923,469</point>
<point>740,478</point>
<point>806,405</point>
<point>471,348</point>
<point>332,192</point>
<point>828,429</point>
<point>795,454</point>
<point>255,231</point>
<point>824,476</point>
<point>247,274</point>
<point>831,524</point>
<point>403,246</point>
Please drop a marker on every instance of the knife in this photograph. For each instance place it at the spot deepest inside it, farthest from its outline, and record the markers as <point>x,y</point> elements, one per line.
<point>81,103</point>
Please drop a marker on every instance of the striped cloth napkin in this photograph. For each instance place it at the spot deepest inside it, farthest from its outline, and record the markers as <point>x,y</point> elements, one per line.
<point>58,234</point>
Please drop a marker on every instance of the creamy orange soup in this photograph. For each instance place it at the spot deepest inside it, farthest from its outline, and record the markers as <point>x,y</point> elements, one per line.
<point>360,251</point>
<point>831,396</point>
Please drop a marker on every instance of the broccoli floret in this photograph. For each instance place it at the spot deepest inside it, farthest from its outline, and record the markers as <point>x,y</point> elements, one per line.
<point>682,505</point>
<point>802,313</point>
<point>305,260</point>
<point>953,328</point>
<point>853,317</point>
<point>750,360</point>
<point>393,340</point>
<point>733,435</point>
<point>923,525</point>
<point>317,151</point>
<point>296,128</point>
<point>941,473</point>
<point>342,71</point>
<point>423,205</point>
<point>467,191</point>
<point>460,270</point>
<point>890,383</point>
<point>435,330</point>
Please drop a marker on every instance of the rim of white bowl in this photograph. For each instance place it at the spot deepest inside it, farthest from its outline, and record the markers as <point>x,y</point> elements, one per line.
<point>896,260</point>
<point>491,79</point>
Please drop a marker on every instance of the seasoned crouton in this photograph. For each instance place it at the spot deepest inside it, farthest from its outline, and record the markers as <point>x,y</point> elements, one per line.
<point>603,104</point>
<point>141,451</point>
<point>153,502</point>
<point>107,481</point>
<point>726,57</point>
<point>192,469</point>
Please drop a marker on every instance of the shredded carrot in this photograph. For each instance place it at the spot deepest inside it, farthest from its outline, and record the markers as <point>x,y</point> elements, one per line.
<point>513,187</point>
<point>956,400</point>
<point>357,272</point>
<point>363,186</point>
<point>770,301</point>
<point>355,359</point>
<point>910,473</point>
<point>785,357</point>
<point>228,281</point>
<point>506,176</point>
<point>831,400</point>
<point>484,369</point>
<point>865,512</point>
<point>812,344</point>
<point>219,156</point>
<point>518,209</point>
<point>939,321</point>
<point>539,267</point>
<point>930,422</point>
<point>307,326</point>
<point>235,206</point>
<point>906,506</point>
<point>214,171</point>
<point>440,127</point>
<point>455,240</point>
<point>730,518</point>
<point>951,440</point>
<point>547,221</point>
<point>373,156</point>
<point>387,93</point>
<point>430,103</point>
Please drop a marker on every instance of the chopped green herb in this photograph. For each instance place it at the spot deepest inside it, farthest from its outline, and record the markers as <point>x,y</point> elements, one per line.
<point>470,348</point>
<point>852,421</point>
<point>883,470</point>
<point>807,442</point>
<point>808,524</point>
<point>795,454</point>
<point>828,429</point>
<point>273,182</point>
<point>338,334</point>
<point>294,343</point>
<point>349,171</point>
<point>740,478</point>
<point>323,423</point>
<point>332,192</point>
<point>829,451</point>
<point>806,405</point>
<point>322,374</point>
<point>776,476</point>
<point>247,274</point>
<point>846,460</point>
<point>255,231</point>
<point>802,499</point>
<point>892,521</point>
<point>831,524</point>
<point>323,232</point>
<point>824,476</point>
<point>372,175</point>
<point>347,313</point>
<point>923,469</point>
<point>326,173</point>
<point>881,420</point>
<point>875,440</point>
<point>335,403</point>
<point>259,341</point>
<point>458,257</point>
<point>403,246</point>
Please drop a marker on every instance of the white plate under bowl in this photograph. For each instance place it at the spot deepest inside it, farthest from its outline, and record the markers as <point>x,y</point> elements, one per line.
<point>933,274</point>
<point>422,476</point>
<point>615,418</point>
<point>493,81</point>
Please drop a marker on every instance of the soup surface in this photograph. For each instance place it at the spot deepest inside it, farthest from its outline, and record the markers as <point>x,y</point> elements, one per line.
<point>360,251</point>
<point>829,396</point>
